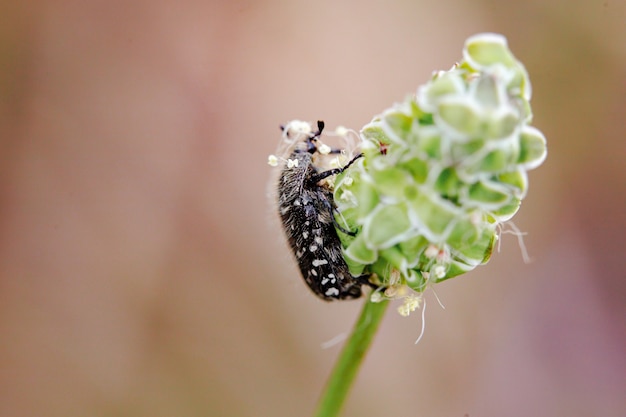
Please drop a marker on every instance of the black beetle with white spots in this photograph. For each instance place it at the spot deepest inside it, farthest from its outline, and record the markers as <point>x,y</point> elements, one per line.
<point>306,206</point>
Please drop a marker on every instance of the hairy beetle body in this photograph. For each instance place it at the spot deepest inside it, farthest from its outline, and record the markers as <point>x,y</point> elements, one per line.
<point>306,208</point>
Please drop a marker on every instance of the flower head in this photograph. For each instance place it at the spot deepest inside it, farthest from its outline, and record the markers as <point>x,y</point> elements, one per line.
<point>441,171</point>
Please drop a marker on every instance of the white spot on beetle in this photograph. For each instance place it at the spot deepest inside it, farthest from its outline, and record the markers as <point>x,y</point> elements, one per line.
<point>332,291</point>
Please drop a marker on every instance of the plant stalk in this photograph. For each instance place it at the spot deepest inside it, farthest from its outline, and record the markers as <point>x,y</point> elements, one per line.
<point>350,359</point>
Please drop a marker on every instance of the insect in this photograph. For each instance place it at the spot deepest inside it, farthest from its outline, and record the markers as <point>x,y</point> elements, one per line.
<point>306,207</point>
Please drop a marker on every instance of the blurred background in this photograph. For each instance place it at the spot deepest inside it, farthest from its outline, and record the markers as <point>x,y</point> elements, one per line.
<point>142,272</point>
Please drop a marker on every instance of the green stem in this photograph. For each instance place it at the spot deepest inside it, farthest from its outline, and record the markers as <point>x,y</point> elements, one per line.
<point>350,359</point>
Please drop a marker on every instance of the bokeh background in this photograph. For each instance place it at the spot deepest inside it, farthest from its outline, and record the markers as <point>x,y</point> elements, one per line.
<point>142,272</point>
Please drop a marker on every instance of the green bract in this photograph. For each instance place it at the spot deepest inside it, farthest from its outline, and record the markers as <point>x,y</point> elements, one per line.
<point>441,171</point>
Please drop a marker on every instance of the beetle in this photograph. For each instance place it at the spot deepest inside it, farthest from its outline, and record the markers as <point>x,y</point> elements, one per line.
<point>306,208</point>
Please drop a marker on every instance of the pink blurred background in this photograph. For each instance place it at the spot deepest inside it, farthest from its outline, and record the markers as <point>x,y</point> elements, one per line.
<point>141,270</point>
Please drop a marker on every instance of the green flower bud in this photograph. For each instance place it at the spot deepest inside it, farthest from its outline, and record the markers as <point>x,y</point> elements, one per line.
<point>441,171</point>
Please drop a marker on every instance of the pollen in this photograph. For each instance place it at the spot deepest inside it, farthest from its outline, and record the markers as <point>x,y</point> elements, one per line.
<point>410,304</point>
<point>324,149</point>
<point>376,297</point>
<point>299,127</point>
<point>341,131</point>
<point>272,160</point>
<point>292,163</point>
<point>439,271</point>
